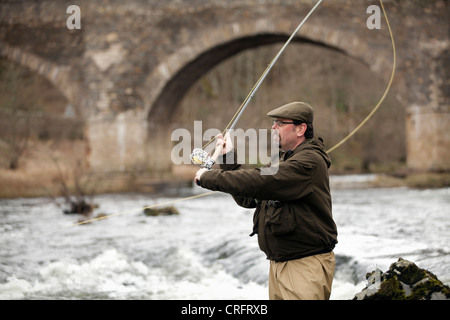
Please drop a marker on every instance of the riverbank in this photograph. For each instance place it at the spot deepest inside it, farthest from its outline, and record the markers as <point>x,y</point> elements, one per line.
<point>386,180</point>
<point>33,182</point>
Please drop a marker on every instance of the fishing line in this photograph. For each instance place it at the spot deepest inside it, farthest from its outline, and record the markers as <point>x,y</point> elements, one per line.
<point>142,209</point>
<point>337,145</point>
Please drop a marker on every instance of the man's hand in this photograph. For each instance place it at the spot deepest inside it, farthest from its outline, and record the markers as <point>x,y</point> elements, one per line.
<point>198,175</point>
<point>226,142</point>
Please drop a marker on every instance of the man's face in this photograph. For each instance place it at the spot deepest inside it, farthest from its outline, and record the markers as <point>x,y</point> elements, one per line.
<point>289,135</point>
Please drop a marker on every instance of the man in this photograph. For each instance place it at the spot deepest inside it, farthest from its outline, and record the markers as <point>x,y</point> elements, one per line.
<point>293,216</point>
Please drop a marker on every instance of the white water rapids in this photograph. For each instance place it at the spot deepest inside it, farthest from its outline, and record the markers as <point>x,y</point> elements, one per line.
<point>205,252</point>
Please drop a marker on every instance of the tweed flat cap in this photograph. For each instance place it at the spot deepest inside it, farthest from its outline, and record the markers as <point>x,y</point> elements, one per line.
<point>300,111</point>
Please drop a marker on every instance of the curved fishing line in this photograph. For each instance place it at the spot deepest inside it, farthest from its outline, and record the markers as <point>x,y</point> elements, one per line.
<point>377,106</point>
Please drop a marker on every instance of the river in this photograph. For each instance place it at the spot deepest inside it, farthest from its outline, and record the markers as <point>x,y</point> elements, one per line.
<point>205,251</point>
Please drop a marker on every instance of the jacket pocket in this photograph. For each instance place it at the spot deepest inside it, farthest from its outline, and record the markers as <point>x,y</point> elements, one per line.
<point>280,220</point>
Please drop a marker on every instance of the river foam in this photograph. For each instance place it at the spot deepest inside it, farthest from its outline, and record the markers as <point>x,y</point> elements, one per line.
<point>205,252</point>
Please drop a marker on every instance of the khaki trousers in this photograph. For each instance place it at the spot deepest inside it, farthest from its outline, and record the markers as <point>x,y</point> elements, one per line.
<point>307,278</point>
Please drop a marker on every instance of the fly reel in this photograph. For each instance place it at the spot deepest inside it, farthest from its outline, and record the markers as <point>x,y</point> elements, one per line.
<point>201,158</point>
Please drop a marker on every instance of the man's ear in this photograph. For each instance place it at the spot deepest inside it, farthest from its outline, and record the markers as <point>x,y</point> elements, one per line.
<point>301,129</point>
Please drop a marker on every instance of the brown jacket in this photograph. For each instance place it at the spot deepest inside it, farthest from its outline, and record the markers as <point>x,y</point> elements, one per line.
<point>293,216</point>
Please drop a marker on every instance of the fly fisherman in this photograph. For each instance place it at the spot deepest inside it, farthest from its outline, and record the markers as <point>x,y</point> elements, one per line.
<point>293,216</point>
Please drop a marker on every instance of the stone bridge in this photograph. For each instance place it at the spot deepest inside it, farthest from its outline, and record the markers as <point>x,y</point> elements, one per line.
<point>131,62</point>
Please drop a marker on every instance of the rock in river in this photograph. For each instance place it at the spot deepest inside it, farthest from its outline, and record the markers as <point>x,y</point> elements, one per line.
<point>403,281</point>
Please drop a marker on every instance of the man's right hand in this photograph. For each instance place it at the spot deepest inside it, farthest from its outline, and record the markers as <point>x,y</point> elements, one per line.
<point>226,143</point>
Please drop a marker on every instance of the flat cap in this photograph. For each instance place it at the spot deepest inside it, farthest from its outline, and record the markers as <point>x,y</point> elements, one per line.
<point>300,111</point>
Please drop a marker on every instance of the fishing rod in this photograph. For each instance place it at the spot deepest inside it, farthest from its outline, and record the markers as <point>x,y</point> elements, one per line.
<point>199,156</point>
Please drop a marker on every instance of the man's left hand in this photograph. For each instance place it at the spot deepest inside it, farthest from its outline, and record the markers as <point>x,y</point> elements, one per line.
<point>198,175</point>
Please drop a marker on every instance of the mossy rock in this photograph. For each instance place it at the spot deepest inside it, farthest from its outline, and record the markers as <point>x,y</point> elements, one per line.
<point>390,289</point>
<point>404,281</point>
<point>166,211</point>
<point>407,272</point>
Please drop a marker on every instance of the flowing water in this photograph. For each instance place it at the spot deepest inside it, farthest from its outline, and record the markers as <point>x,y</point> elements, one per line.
<point>205,251</point>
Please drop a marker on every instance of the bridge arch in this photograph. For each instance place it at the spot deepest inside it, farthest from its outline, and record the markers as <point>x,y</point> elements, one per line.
<point>57,75</point>
<point>175,75</point>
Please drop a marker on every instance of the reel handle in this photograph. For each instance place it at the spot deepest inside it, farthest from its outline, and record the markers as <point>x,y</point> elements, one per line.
<point>211,160</point>
<point>205,161</point>
<point>216,154</point>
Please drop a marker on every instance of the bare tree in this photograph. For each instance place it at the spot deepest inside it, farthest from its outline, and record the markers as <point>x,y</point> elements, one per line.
<point>18,104</point>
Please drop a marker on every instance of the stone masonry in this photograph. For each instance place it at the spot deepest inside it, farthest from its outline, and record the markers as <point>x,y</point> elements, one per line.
<point>130,64</point>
